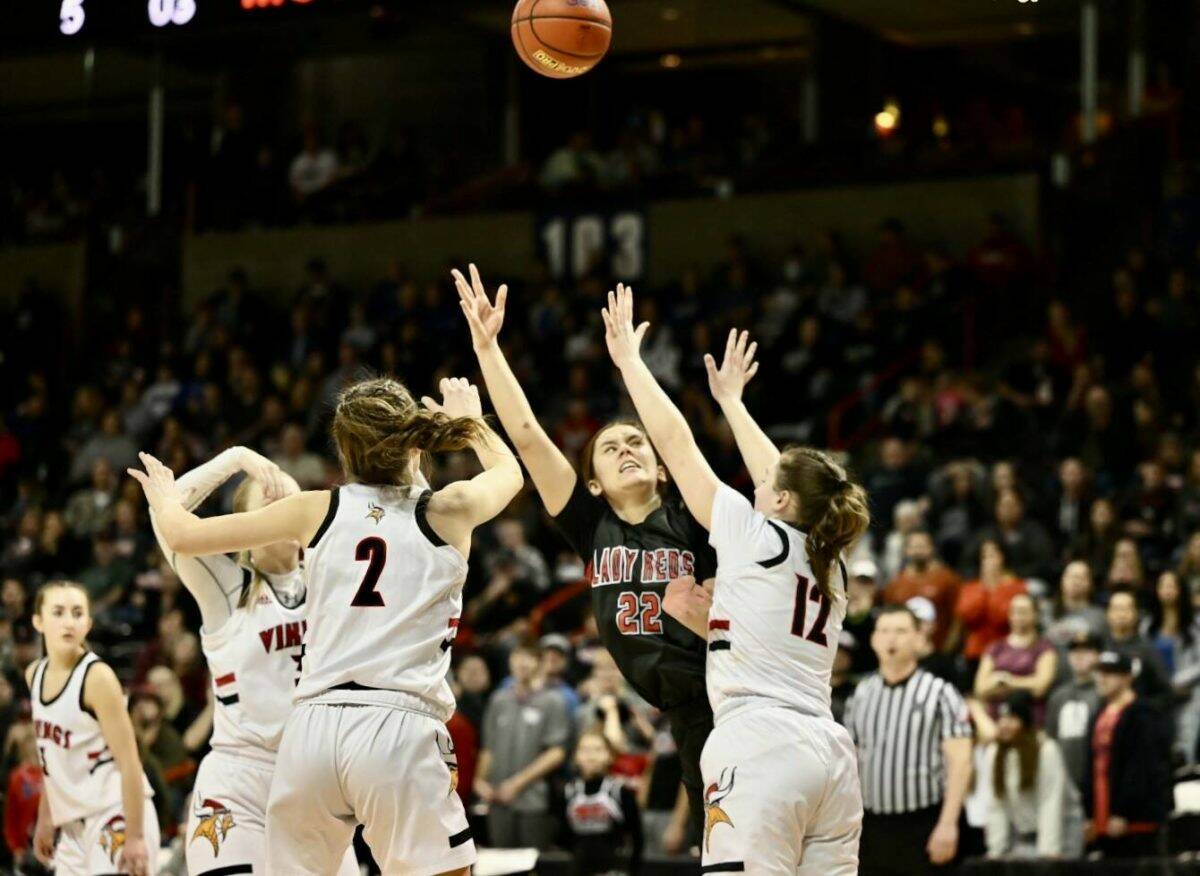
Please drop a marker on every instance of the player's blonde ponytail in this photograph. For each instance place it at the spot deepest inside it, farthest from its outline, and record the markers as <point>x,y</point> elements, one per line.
<point>831,509</point>
<point>377,426</point>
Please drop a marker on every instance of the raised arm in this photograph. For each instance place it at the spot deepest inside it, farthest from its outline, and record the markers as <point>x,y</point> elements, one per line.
<point>456,510</point>
<point>665,424</point>
<point>551,472</point>
<point>199,483</point>
<point>295,518</point>
<point>215,581</point>
<point>726,385</point>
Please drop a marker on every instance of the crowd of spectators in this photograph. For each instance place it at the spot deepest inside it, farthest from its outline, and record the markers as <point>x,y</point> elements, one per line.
<point>1033,488</point>
<point>244,169</point>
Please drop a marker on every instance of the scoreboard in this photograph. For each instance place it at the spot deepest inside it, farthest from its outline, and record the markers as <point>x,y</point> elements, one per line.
<point>59,21</point>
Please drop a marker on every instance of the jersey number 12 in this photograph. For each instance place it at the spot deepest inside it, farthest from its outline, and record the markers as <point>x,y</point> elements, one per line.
<point>806,592</point>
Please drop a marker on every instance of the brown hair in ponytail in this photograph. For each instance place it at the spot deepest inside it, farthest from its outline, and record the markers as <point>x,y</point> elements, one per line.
<point>831,509</point>
<point>377,427</point>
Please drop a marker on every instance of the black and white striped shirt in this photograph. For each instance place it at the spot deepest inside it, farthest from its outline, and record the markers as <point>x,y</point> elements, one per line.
<point>899,729</point>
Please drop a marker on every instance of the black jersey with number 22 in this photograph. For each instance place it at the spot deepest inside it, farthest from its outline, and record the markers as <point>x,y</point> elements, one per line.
<point>629,566</point>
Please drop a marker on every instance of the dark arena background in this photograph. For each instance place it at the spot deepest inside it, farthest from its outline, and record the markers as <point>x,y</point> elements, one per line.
<point>965,234</point>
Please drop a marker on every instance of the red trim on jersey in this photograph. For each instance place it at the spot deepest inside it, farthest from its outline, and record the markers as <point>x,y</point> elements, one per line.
<point>230,678</point>
<point>718,625</point>
<point>454,623</point>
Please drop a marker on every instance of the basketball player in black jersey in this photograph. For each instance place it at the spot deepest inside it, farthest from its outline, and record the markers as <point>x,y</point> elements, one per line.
<point>633,539</point>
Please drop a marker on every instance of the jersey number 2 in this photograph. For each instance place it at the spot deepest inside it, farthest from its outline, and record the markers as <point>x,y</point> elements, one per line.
<point>806,592</point>
<point>374,550</point>
<point>637,613</point>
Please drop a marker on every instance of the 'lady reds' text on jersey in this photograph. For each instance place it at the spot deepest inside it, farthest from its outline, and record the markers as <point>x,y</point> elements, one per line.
<point>619,565</point>
<point>629,566</point>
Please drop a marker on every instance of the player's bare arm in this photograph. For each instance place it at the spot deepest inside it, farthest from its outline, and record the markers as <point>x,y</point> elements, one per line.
<point>295,518</point>
<point>456,510</point>
<point>103,695</point>
<point>727,384</point>
<point>665,424</point>
<point>551,472</point>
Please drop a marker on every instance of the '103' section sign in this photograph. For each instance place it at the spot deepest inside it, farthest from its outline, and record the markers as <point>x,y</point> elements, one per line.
<point>574,243</point>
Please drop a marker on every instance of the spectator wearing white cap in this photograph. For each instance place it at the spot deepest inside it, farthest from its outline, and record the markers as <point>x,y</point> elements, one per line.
<point>929,658</point>
<point>862,597</point>
<point>556,664</point>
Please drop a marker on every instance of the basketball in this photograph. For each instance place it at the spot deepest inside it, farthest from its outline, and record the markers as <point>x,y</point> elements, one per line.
<point>561,39</point>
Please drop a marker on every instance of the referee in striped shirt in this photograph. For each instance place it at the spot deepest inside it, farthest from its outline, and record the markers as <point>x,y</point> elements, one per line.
<point>914,755</point>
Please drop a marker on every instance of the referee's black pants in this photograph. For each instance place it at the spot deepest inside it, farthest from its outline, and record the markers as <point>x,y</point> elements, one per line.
<point>894,845</point>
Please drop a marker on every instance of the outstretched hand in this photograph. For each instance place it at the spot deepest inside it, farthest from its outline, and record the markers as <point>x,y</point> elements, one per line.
<point>484,318</point>
<point>623,340</point>
<point>460,398</point>
<point>738,368</point>
<point>158,482</point>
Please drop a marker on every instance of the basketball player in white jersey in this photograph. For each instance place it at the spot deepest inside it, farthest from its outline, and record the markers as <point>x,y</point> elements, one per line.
<point>385,562</point>
<point>96,793</point>
<point>252,613</point>
<point>781,779</point>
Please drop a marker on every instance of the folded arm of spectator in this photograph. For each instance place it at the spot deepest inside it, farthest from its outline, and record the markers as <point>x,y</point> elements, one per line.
<point>990,684</point>
<point>1040,682</point>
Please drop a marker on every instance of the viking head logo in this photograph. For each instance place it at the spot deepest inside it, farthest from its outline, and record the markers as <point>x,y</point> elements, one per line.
<point>215,823</point>
<point>450,758</point>
<point>112,837</point>
<point>376,513</point>
<point>713,795</point>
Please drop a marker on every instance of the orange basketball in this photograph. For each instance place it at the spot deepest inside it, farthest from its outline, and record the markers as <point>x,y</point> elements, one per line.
<point>561,38</point>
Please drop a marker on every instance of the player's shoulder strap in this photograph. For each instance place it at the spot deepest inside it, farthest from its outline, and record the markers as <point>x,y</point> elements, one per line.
<point>90,660</point>
<point>421,516</point>
<point>785,549</point>
<point>35,679</point>
<point>334,499</point>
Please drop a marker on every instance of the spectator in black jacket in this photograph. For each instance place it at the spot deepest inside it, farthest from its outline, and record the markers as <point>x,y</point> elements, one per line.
<point>1025,542</point>
<point>1151,680</point>
<point>1127,783</point>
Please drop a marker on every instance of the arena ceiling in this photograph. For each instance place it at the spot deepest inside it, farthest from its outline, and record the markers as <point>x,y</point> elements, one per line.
<point>952,22</point>
<point>645,26</point>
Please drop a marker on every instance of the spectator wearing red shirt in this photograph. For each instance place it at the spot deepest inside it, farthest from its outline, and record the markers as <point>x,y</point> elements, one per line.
<point>1127,783</point>
<point>925,575</point>
<point>1022,660</point>
<point>24,794</point>
<point>983,605</point>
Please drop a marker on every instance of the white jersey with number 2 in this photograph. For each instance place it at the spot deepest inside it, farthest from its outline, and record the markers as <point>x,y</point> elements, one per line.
<point>772,633</point>
<point>384,599</point>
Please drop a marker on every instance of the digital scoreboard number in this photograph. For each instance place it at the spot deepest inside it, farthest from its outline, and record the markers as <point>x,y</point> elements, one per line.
<point>73,15</point>
<point>117,19</point>
<point>574,244</point>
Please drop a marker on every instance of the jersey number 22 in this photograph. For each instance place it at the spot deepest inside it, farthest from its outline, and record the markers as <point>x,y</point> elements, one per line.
<point>638,613</point>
